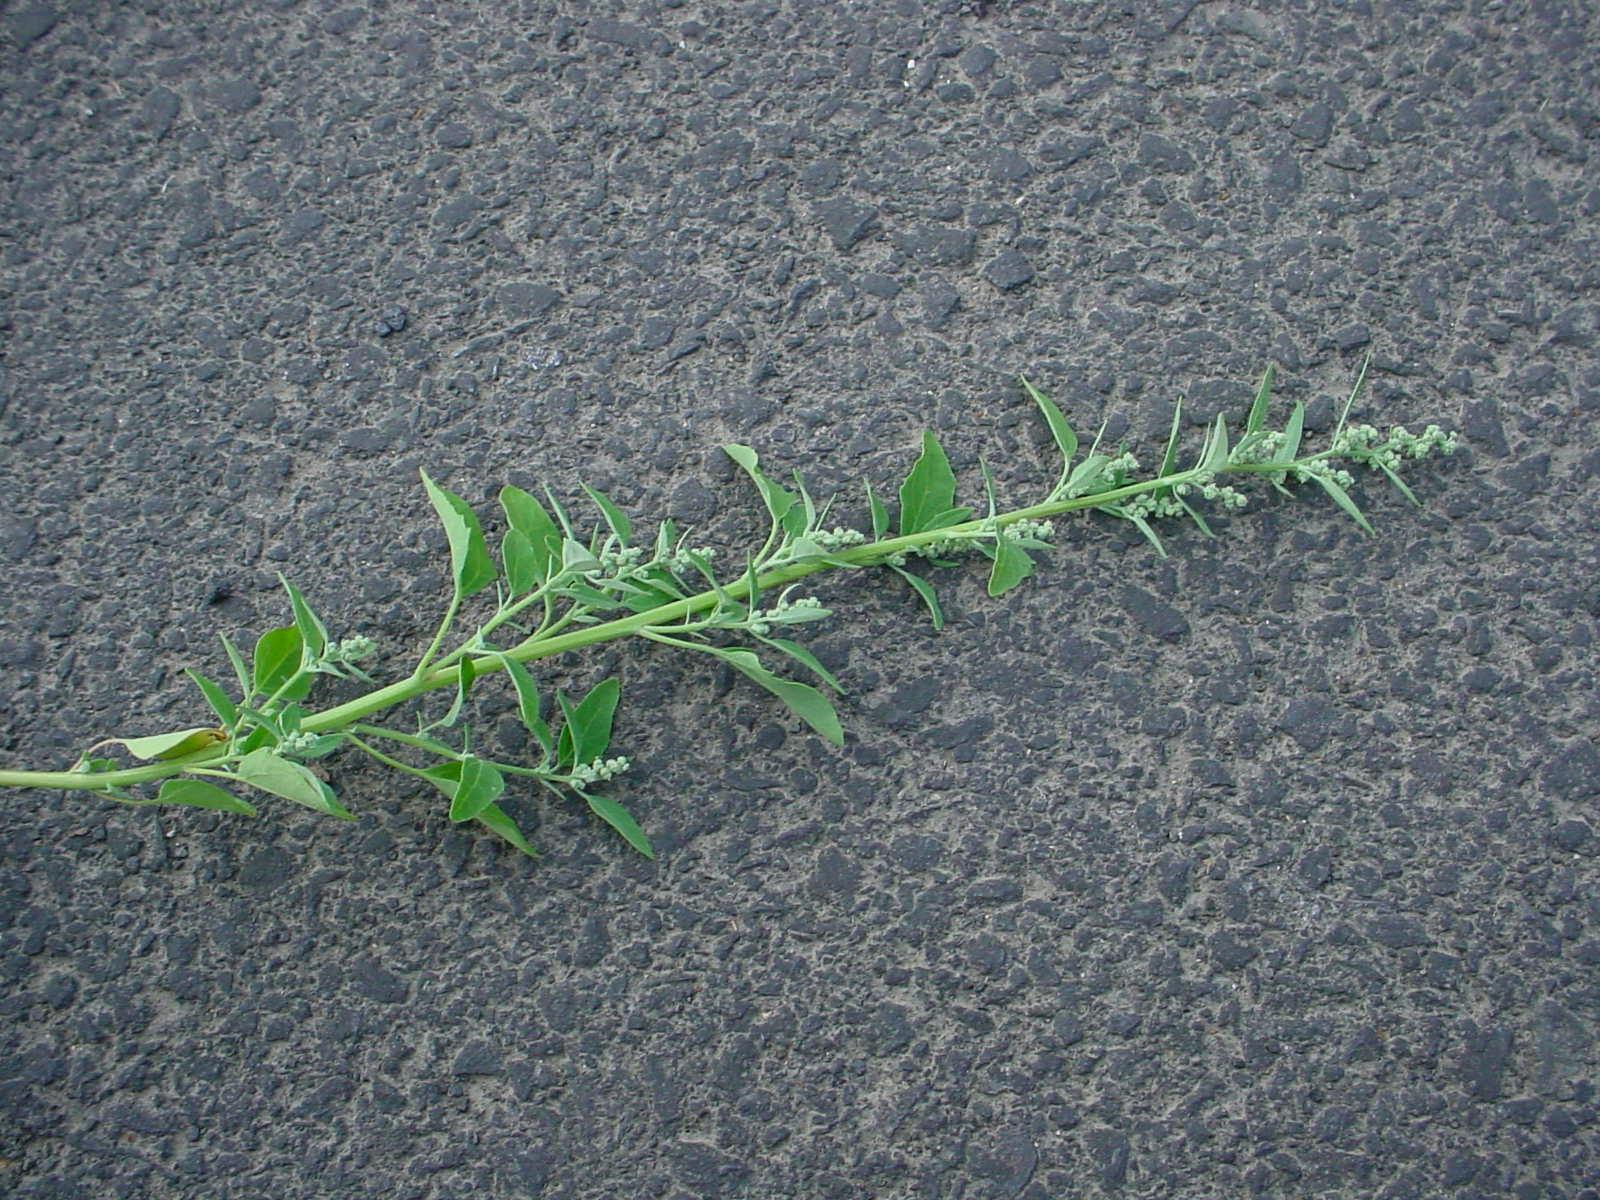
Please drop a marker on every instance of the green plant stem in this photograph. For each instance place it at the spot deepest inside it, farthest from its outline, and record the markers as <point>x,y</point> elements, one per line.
<point>548,643</point>
<point>438,638</point>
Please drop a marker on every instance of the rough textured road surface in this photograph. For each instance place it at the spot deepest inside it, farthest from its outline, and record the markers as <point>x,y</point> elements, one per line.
<point>1269,868</point>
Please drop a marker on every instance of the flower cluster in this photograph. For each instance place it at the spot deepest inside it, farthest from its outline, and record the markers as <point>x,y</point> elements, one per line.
<point>297,743</point>
<point>1323,470</point>
<point>1038,531</point>
<point>1362,442</point>
<point>616,559</point>
<point>1125,463</point>
<point>600,770</point>
<point>680,561</point>
<point>838,538</point>
<point>787,612</point>
<point>351,649</point>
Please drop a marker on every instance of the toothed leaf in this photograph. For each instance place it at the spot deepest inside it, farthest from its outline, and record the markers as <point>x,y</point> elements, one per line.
<point>929,491</point>
<point>1011,566</point>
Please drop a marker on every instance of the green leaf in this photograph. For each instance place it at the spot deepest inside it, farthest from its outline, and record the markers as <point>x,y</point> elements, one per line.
<point>614,516</point>
<point>575,555</point>
<point>1066,441</point>
<point>1087,474</point>
<point>1217,451</point>
<point>470,563</point>
<point>528,517</point>
<point>1011,566</point>
<point>929,597</point>
<point>1197,518</point>
<point>272,773</point>
<point>312,632</point>
<point>614,815</point>
<point>1401,484</point>
<point>1292,433</point>
<point>240,672</point>
<point>1361,378</point>
<point>227,711</point>
<point>471,783</point>
<point>324,745</point>
<point>528,704</point>
<point>1143,527</point>
<point>1169,460</point>
<point>778,501</point>
<point>1342,499</point>
<point>810,705</point>
<point>278,656</point>
<point>805,658</point>
<point>257,738</point>
<point>522,569</point>
<point>168,746</point>
<point>587,731</point>
<point>880,515</point>
<point>929,490</point>
<point>495,819</point>
<point>192,793</point>
<point>465,674</point>
<point>1258,409</point>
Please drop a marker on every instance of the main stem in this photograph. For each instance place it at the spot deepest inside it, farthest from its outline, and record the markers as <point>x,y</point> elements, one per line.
<point>540,647</point>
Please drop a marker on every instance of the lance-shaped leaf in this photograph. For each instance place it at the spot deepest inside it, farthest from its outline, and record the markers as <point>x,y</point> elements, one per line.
<point>240,671</point>
<point>470,564</point>
<point>614,517</point>
<point>614,815</point>
<point>312,632</point>
<point>528,704</point>
<point>1258,409</point>
<point>1342,499</point>
<point>1169,460</point>
<point>193,793</point>
<point>178,744</point>
<point>929,597</point>
<point>272,773</point>
<point>805,658</point>
<point>227,711</point>
<point>1066,441</point>
<point>495,819</point>
<point>1292,432</point>
<point>587,731</point>
<point>880,515</point>
<point>810,705</point>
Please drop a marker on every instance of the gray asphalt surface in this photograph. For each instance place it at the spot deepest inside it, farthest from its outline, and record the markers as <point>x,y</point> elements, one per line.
<point>1267,869</point>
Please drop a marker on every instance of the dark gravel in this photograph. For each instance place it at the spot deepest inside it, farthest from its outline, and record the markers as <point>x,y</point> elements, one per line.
<point>1268,869</point>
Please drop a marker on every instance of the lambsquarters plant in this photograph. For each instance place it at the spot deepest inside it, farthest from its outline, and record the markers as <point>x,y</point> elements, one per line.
<point>558,590</point>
